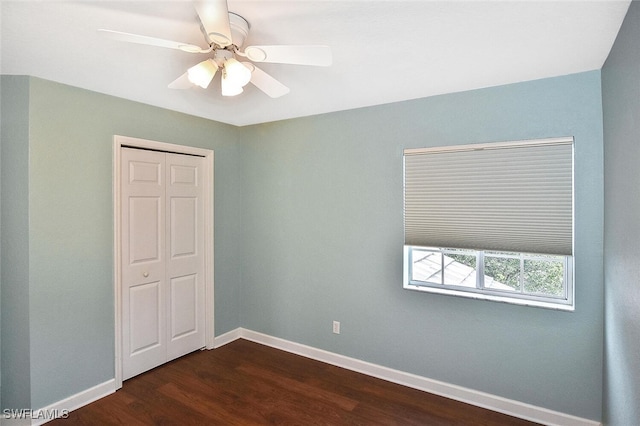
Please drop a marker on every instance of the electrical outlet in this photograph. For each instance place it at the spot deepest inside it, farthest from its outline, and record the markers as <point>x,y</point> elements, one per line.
<point>336,327</point>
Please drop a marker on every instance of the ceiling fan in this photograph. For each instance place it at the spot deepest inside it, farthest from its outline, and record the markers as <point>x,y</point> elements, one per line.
<point>225,33</point>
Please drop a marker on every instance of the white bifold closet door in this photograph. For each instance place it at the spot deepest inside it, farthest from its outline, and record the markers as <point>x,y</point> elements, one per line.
<point>162,249</point>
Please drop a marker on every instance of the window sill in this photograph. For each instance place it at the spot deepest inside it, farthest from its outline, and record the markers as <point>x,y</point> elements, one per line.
<point>493,298</point>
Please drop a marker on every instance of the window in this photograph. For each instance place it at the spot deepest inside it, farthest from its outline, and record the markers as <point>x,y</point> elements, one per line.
<point>503,276</point>
<point>491,221</point>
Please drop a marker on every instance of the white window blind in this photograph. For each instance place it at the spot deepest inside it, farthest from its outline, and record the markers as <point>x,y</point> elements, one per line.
<point>508,196</point>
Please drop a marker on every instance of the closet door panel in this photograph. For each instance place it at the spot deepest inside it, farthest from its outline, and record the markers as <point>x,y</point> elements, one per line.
<point>144,331</point>
<point>185,254</point>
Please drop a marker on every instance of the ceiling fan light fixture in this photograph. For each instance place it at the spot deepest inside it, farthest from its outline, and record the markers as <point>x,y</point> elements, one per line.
<point>202,73</point>
<point>229,88</point>
<point>236,73</point>
<point>225,33</point>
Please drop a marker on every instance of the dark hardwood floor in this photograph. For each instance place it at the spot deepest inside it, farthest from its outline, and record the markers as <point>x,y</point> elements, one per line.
<point>244,383</point>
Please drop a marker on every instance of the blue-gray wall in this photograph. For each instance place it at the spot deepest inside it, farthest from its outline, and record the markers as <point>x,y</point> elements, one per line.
<point>14,240</point>
<point>63,307</point>
<point>621,104</point>
<point>308,228</point>
<point>323,234</point>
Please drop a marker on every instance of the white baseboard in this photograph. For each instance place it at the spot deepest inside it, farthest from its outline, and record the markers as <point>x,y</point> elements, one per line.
<point>458,393</point>
<point>63,407</point>
<point>227,337</point>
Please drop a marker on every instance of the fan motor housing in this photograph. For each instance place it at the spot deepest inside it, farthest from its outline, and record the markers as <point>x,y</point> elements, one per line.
<point>239,29</point>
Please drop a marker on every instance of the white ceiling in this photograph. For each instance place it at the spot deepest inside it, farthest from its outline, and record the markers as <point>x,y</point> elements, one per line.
<point>383,51</point>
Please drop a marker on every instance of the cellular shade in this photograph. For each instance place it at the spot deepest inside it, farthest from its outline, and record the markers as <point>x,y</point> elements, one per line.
<point>507,196</point>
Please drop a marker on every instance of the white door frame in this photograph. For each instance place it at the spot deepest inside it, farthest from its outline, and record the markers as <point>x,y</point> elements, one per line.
<point>118,142</point>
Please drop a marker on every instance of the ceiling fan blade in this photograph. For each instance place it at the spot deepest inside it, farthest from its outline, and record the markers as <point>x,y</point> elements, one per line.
<point>299,55</point>
<point>265,82</point>
<point>214,20</point>
<point>152,41</point>
<point>181,82</point>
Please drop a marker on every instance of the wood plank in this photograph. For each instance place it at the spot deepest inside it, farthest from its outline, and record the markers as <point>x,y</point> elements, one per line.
<point>245,383</point>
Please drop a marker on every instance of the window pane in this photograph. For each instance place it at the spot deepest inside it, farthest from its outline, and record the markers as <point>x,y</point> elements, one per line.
<point>460,269</point>
<point>426,266</point>
<point>544,277</point>
<point>502,273</point>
